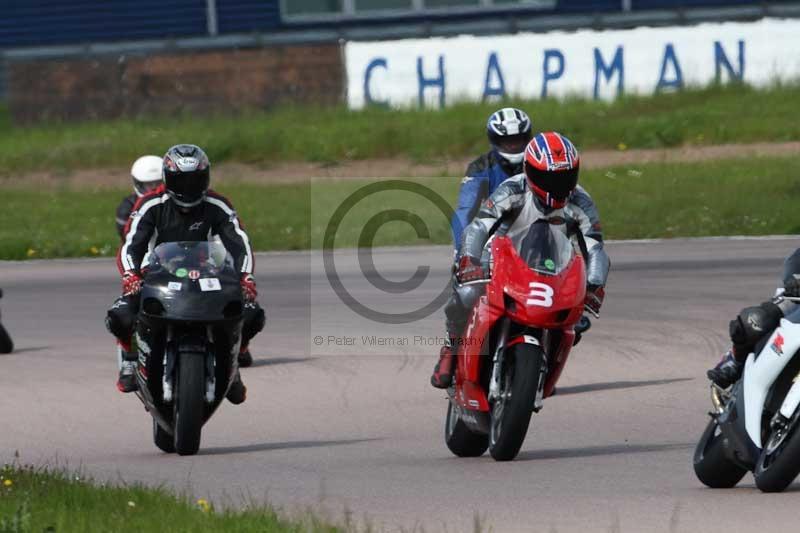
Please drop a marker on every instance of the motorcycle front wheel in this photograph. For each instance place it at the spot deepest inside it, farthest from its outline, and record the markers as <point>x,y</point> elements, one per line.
<point>779,462</point>
<point>190,402</point>
<point>511,411</point>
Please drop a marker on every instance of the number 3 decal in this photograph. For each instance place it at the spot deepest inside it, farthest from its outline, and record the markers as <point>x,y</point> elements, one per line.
<point>540,294</point>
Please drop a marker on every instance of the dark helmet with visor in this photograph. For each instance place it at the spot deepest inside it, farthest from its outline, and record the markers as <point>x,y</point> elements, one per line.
<point>186,174</point>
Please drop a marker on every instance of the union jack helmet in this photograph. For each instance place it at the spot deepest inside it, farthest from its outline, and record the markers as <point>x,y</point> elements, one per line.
<point>551,166</point>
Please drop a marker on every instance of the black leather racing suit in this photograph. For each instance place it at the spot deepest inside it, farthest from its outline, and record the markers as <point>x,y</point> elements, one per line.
<point>124,210</point>
<point>516,207</point>
<point>156,219</point>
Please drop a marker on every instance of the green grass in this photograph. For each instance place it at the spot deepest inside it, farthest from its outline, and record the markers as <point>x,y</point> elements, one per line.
<point>742,197</point>
<point>701,116</point>
<point>37,500</point>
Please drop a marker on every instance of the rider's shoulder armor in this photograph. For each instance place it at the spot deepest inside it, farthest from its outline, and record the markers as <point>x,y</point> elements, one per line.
<point>583,209</point>
<point>508,195</point>
<point>479,167</point>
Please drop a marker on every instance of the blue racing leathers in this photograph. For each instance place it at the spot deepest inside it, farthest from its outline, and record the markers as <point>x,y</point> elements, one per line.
<point>481,179</point>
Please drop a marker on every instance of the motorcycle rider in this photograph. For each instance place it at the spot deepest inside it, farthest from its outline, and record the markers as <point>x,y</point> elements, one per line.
<point>146,176</point>
<point>546,190</point>
<point>753,324</point>
<point>183,209</point>
<point>509,131</point>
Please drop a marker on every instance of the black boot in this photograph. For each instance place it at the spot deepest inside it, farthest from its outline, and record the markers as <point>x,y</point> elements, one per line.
<point>237,392</point>
<point>245,359</point>
<point>727,372</point>
<point>126,382</point>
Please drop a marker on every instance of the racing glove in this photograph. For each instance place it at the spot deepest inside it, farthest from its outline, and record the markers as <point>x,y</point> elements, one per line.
<point>791,288</point>
<point>131,283</point>
<point>469,269</point>
<point>595,294</point>
<point>249,292</point>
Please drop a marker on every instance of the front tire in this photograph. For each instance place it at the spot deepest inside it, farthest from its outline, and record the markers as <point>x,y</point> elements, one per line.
<point>190,402</point>
<point>779,463</point>
<point>163,440</point>
<point>462,441</point>
<point>511,413</point>
<point>6,344</point>
<point>711,466</point>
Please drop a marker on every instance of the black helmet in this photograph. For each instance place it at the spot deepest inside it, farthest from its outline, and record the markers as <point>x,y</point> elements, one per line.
<point>186,174</point>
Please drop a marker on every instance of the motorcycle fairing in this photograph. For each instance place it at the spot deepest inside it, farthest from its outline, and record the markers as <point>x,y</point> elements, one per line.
<point>519,292</point>
<point>761,372</point>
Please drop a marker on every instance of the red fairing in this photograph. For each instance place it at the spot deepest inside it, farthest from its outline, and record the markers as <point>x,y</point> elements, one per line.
<point>549,303</point>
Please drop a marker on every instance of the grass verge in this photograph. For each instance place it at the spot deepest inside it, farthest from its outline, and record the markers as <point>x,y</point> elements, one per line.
<point>41,500</point>
<point>742,197</point>
<point>713,115</point>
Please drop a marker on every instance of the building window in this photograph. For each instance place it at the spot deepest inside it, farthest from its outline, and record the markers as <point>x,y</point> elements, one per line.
<point>324,9</point>
<point>375,5</point>
<point>449,3</point>
<point>311,7</point>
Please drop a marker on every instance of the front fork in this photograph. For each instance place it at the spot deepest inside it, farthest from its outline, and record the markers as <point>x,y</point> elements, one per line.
<point>170,362</point>
<point>497,360</point>
<point>498,367</point>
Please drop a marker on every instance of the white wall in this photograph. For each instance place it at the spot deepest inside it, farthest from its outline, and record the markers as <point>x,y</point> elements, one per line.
<point>596,64</point>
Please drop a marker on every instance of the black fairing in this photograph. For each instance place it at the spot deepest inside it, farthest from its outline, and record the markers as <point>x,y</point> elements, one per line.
<point>177,315</point>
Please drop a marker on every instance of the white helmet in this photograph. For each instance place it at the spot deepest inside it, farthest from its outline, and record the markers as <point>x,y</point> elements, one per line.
<point>146,172</point>
<point>509,132</point>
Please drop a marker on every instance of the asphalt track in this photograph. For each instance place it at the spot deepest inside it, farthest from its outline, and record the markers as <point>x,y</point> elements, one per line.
<point>356,428</point>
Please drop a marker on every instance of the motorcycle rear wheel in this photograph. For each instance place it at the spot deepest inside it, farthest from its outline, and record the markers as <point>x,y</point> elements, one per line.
<point>190,402</point>
<point>163,440</point>
<point>462,441</point>
<point>511,414</point>
<point>711,466</point>
<point>779,465</point>
<point>6,344</point>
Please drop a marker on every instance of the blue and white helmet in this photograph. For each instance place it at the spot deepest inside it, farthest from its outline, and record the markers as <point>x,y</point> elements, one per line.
<point>509,131</point>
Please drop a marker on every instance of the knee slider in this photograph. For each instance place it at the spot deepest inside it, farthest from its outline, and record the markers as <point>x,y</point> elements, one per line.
<point>119,324</point>
<point>254,321</point>
<point>754,322</point>
<point>461,302</point>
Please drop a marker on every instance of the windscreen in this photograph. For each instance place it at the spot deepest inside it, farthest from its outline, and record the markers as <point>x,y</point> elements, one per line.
<point>182,258</point>
<point>545,248</point>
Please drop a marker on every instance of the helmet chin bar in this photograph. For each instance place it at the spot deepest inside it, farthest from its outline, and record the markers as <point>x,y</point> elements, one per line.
<point>515,159</point>
<point>186,205</point>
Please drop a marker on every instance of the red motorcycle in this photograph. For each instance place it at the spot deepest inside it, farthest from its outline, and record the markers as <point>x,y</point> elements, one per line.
<point>526,321</point>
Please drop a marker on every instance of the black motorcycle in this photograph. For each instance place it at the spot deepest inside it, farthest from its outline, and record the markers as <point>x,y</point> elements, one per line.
<point>6,344</point>
<point>188,334</point>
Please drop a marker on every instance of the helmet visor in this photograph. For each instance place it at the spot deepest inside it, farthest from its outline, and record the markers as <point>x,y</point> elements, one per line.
<point>511,144</point>
<point>557,183</point>
<point>187,187</point>
<point>144,187</point>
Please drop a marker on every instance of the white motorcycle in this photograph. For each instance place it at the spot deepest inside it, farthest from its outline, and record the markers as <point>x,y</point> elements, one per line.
<point>754,424</point>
